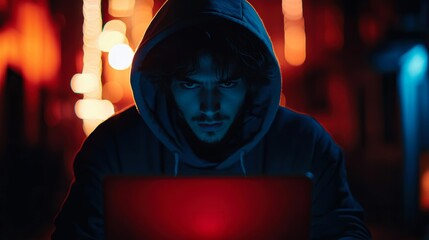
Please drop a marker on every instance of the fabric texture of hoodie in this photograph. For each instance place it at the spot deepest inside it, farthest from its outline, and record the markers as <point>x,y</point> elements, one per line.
<point>141,140</point>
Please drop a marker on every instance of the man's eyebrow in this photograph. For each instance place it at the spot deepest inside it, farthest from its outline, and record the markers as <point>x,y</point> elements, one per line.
<point>230,78</point>
<point>227,79</point>
<point>188,79</point>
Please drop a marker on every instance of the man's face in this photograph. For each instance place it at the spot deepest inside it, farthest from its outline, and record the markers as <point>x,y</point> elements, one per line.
<point>209,101</point>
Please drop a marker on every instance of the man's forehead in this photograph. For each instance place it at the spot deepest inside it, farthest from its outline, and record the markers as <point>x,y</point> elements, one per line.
<point>219,68</point>
<point>206,60</point>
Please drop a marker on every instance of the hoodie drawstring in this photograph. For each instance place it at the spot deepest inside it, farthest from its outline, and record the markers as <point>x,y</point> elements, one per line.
<point>176,163</point>
<point>242,163</point>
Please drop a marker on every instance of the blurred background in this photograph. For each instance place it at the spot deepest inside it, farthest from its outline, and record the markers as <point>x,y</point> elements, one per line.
<point>359,67</point>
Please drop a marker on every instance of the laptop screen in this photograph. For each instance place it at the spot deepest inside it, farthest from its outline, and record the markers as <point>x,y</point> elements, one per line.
<point>207,207</point>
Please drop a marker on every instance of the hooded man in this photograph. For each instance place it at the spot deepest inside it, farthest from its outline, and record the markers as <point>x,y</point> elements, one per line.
<point>207,85</point>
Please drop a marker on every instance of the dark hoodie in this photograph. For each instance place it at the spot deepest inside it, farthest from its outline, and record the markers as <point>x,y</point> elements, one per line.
<point>142,141</point>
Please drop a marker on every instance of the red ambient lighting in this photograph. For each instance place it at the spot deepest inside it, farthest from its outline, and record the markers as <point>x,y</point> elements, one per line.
<point>211,208</point>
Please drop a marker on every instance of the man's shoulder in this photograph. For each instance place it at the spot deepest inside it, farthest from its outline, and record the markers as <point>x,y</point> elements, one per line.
<point>296,125</point>
<point>125,122</point>
<point>126,118</point>
<point>288,118</point>
<point>128,115</point>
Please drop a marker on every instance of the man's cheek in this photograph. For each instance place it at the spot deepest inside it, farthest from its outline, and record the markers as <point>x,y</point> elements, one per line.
<point>187,101</point>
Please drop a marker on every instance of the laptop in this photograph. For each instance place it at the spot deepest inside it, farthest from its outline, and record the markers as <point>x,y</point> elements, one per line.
<point>207,207</point>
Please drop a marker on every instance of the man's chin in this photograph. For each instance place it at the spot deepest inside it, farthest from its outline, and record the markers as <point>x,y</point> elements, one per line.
<point>210,138</point>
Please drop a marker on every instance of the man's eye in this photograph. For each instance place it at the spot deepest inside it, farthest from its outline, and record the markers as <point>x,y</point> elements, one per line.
<point>189,85</point>
<point>228,84</point>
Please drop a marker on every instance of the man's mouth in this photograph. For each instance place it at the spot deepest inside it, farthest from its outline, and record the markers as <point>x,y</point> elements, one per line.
<point>210,126</point>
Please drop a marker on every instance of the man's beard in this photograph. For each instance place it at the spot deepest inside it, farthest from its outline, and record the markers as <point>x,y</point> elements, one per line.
<point>217,149</point>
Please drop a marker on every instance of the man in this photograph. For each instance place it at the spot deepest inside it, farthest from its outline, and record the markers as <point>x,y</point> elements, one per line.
<point>206,85</point>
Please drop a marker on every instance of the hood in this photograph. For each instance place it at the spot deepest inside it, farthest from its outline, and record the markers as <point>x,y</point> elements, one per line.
<point>151,103</point>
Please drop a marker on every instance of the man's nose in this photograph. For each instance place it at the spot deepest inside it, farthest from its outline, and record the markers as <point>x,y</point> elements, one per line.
<point>209,102</point>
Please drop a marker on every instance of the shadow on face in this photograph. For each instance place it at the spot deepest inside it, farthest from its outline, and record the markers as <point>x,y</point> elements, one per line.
<point>209,98</point>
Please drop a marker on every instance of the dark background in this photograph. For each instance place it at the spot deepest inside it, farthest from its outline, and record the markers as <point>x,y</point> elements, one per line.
<point>349,82</point>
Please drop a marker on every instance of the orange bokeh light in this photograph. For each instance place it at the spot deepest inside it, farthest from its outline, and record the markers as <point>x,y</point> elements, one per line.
<point>424,194</point>
<point>94,109</point>
<point>38,43</point>
<point>424,181</point>
<point>84,83</point>
<point>294,32</point>
<point>141,20</point>
<point>30,44</point>
<point>295,41</point>
<point>121,8</point>
<point>292,9</point>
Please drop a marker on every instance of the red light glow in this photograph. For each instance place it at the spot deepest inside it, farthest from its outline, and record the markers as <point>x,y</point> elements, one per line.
<point>29,44</point>
<point>369,29</point>
<point>40,55</point>
<point>333,29</point>
<point>424,181</point>
<point>218,210</point>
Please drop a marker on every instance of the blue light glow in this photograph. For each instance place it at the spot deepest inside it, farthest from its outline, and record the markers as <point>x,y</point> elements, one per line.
<point>413,72</point>
<point>414,64</point>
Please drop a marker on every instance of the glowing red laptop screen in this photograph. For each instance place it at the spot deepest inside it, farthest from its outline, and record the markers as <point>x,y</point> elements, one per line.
<point>207,208</point>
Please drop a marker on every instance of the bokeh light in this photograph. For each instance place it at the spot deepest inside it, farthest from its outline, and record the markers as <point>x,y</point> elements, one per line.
<point>292,9</point>
<point>109,38</point>
<point>121,56</point>
<point>84,82</point>
<point>115,25</point>
<point>415,62</point>
<point>141,21</point>
<point>94,109</point>
<point>121,8</point>
<point>294,32</point>
<point>424,195</point>
<point>295,41</point>
<point>38,47</point>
